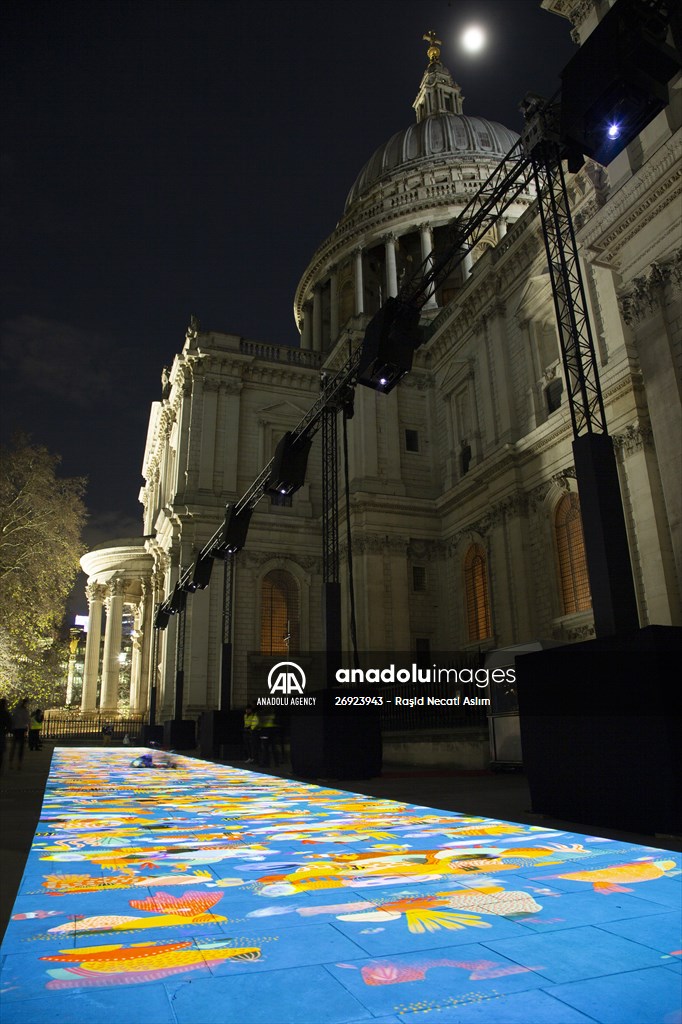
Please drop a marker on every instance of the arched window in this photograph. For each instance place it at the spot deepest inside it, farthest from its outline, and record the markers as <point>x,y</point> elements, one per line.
<point>553,393</point>
<point>573,578</point>
<point>476,589</point>
<point>280,629</point>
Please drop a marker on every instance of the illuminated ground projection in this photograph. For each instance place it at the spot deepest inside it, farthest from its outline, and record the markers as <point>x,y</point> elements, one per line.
<point>208,894</point>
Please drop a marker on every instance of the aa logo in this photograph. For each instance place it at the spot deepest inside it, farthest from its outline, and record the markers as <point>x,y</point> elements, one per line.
<point>286,677</point>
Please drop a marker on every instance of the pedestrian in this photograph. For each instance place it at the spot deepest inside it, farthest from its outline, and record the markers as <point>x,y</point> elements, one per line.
<point>268,737</point>
<point>251,728</point>
<point>21,718</point>
<point>34,730</point>
<point>5,727</point>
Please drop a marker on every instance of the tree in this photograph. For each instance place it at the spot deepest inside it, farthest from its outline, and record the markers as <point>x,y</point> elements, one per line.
<point>41,519</point>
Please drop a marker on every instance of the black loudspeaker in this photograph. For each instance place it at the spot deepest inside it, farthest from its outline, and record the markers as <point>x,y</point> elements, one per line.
<point>289,465</point>
<point>335,742</point>
<point>180,735</point>
<point>599,733</point>
<point>220,735</point>
<point>391,337</point>
<point>201,573</point>
<point>235,530</point>
<point>617,81</point>
<point>162,618</point>
<point>152,734</point>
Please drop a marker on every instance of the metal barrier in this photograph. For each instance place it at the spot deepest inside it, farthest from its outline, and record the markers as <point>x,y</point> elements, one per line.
<point>60,726</point>
<point>430,714</point>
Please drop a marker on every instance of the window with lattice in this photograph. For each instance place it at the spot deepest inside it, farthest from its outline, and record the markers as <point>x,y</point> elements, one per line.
<point>419,578</point>
<point>574,581</point>
<point>280,629</point>
<point>476,590</point>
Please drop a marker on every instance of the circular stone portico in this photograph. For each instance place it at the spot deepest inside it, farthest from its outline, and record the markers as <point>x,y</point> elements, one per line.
<point>119,574</point>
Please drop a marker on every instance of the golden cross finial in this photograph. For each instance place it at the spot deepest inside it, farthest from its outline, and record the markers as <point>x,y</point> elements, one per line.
<point>433,51</point>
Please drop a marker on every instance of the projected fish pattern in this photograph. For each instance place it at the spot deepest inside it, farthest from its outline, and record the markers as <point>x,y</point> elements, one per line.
<point>140,878</point>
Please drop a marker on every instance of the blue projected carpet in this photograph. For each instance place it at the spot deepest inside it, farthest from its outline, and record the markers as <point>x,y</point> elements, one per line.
<point>209,894</point>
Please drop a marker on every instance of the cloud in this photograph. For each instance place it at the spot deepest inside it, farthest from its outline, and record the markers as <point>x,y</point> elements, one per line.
<point>47,357</point>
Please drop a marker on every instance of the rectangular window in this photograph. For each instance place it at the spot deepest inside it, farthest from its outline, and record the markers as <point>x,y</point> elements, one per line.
<point>464,459</point>
<point>411,440</point>
<point>419,578</point>
<point>422,648</point>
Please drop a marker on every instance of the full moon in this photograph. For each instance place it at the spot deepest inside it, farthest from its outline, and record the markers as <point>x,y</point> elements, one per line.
<point>473,39</point>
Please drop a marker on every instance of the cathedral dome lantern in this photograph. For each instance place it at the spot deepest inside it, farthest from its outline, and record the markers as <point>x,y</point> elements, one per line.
<point>397,211</point>
<point>438,93</point>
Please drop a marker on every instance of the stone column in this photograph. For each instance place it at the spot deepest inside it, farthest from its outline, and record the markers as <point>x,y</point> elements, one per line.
<point>112,647</point>
<point>333,306</point>
<point>426,236</point>
<point>95,593</point>
<point>147,630</point>
<point>390,242</point>
<point>501,228</point>
<point>317,319</point>
<point>71,671</point>
<point>467,264</point>
<point>135,663</point>
<point>359,283</point>
<point>307,332</point>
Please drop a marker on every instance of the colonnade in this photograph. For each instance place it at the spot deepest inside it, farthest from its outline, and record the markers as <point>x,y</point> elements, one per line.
<point>312,328</point>
<point>113,596</point>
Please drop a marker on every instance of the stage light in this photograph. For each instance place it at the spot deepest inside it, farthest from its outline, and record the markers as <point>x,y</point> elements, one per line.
<point>178,600</point>
<point>201,575</point>
<point>235,530</point>
<point>617,82</point>
<point>391,337</point>
<point>289,465</point>
<point>162,618</point>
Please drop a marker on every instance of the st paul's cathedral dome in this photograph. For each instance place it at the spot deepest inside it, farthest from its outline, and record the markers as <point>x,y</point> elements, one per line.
<point>398,210</point>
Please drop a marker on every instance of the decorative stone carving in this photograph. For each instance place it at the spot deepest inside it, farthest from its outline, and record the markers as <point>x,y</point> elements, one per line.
<point>95,592</point>
<point>374,544</point>
<point>193,329</point>
<point>636,437</point>
<point>560,480</point>
<point>647,292</point>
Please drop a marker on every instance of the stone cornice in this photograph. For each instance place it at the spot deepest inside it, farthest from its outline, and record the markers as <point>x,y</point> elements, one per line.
<point>647,292</point>
<point>365,542</point>
<point>635,204</point>
<point>633,439</point>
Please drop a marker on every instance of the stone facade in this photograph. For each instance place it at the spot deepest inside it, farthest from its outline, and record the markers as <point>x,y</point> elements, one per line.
<point>461,478</point>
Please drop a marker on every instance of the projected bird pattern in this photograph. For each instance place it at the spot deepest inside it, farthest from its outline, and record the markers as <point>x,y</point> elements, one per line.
<point>140,880</point>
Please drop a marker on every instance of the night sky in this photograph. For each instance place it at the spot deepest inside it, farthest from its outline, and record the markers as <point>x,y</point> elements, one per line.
<point>161,159</point>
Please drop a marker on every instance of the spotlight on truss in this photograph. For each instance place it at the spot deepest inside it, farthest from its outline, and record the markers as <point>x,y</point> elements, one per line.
<point>289,465</point>
<point>162,617</point>
<point>201,573</point>
<point>391,337</point>
<point>618,80</point>
<point>178,600</point>
<point>235,529</point>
